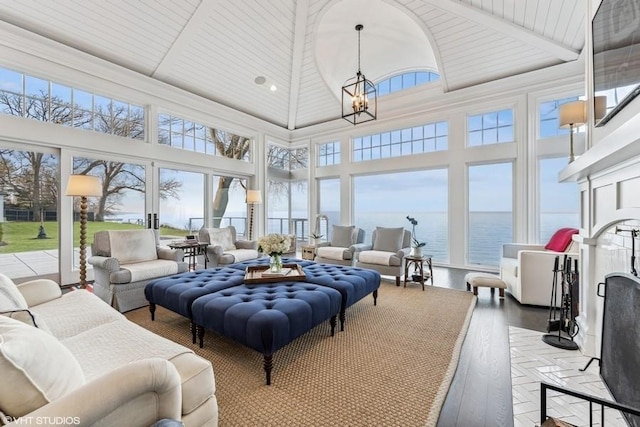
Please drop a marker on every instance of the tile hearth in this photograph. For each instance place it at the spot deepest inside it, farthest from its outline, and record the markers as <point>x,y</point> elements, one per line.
<point>533,361</point>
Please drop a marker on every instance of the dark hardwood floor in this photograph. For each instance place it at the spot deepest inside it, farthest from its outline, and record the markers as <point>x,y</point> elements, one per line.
<point>480,393</point>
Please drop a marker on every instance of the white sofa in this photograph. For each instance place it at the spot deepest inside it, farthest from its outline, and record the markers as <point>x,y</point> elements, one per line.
<point>97,367</point>
<point>124,261</point>
<point>528,271</point>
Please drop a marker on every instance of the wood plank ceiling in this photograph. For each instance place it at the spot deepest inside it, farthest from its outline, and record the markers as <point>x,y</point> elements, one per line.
<point>216,48</point>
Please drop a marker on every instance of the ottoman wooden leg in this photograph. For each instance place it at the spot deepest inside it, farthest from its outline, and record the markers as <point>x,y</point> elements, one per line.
<point>493,291</point>
<point>501,293</point>
<point>475,290</point>
<point>468,286</point>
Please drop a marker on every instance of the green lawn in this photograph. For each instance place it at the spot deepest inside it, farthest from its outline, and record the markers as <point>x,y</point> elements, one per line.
<point>22,236</point>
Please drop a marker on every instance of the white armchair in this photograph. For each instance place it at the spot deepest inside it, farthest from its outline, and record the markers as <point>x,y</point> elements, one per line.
<point>224,248</point>
<point>342,247</point>
<point>528,269</point>
<point>389,247</point>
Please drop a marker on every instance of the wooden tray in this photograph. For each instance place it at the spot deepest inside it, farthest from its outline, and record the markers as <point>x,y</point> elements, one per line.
<point>253,274</point>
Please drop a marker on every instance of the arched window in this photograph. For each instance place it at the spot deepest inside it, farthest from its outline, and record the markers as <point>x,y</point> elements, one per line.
<point>405,81</point>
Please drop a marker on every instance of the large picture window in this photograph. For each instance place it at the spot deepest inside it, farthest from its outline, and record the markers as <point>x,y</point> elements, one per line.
<point>398,191</point>
<point>559,201</point>
<point>549,115</point>
<point>490,220</point>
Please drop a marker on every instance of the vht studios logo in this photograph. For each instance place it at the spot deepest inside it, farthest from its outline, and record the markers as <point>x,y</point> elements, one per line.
<point>45,421</point>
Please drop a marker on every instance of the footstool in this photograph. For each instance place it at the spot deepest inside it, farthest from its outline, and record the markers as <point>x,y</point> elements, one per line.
<point>486,280</point>
<point>266,317</point>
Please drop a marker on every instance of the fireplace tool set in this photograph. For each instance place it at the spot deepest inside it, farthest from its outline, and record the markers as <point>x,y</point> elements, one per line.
<point>563,313</point>
<point>634,235</point>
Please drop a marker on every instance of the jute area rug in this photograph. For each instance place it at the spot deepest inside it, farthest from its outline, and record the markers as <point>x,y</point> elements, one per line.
<point>392,366</point>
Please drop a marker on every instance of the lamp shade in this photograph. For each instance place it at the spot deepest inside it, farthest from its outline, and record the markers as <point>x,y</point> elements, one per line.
<point>83,185</point>
<point>573,113</point>
<point>254,197</point>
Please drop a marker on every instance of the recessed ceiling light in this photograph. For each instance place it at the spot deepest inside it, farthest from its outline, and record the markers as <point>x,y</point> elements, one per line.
<point>260,80</point>
<point>273,88</point>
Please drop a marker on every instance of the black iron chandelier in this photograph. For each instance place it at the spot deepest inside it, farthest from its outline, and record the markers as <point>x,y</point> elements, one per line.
<point>359,99</point>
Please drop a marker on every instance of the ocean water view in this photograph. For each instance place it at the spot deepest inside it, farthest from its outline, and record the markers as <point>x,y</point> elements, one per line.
<point>487,230</point>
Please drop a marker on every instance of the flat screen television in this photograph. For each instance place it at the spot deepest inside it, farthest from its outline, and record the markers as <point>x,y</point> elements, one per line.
<point>616,54</point>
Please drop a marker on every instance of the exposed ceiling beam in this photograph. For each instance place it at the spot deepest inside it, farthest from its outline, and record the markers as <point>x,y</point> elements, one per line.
<point>189,33</point>
<point>509,29</point>
<point>302,12</point>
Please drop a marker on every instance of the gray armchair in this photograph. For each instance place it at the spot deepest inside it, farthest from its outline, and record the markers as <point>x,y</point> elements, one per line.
<point>343,245</point>
<point>124,261</point>
<point>389,247</point>
<point>224,248</point>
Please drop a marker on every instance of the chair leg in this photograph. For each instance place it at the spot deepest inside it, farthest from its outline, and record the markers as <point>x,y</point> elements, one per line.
<point>397,280</point>
<point>501,293</point>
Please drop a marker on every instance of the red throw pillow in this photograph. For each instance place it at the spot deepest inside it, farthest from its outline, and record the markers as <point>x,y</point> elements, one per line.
<point>561,239</point>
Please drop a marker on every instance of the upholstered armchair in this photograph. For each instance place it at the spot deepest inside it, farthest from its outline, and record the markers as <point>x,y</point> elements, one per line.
<point>124,261</point>
<point>528,269</point>
<point>389,247</point>
<point>342,247</point>
<point>224,248</point>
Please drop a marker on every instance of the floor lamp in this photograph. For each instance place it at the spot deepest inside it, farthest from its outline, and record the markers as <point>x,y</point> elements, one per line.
<point>254,197</point>
<point>572,114</point>
<point>83,186</point>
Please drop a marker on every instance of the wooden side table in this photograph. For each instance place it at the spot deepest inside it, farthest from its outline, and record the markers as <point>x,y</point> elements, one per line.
<point>418,262</point>
<point>308,252</point>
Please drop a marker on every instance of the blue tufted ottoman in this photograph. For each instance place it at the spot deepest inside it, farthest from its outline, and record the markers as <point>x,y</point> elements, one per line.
<point>266,317</point>
<point>352,283</point>
<point>178,292</point>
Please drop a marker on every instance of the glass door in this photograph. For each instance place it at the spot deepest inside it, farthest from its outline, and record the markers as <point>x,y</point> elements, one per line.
<point>29,239</point>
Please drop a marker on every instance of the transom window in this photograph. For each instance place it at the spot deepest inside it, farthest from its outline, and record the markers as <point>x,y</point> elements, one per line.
<point>329,154</point>
<point>39,99</point>
<point>191,136</point>
<point>402,142</point>
<point>405,81</point>
<point>549,117</point>
<point>490,128</point>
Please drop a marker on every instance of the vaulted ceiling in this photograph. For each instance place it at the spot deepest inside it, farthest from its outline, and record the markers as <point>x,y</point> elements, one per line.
<point>307,48</point>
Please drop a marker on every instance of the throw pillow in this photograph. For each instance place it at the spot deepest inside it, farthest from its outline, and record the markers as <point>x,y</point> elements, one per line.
<point>36,368</point>
<point>222,237</point>
<point>342,236</point>
<point>388,239</point>
<point>13,304</point>
<point>131,246</point>
<point>561,239</point>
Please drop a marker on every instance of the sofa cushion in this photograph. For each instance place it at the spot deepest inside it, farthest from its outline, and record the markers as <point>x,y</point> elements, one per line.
<point>342,236</point>
<point>509,265</point>
<point>379,258</point>
<point>36,364</point>
<point>222,237</point>
<point>151,269</point>
<point>130,246</point>
<point>240,255</point>
<point>330,252</point>
<point>561,239</point>
<point>388,239</point>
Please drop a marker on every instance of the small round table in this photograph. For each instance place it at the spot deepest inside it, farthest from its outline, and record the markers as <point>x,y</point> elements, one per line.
<point>418,268</point>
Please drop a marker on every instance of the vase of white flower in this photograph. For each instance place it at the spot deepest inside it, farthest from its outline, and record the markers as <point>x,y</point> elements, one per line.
<point>274,245</point>
<point>275,263</point>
